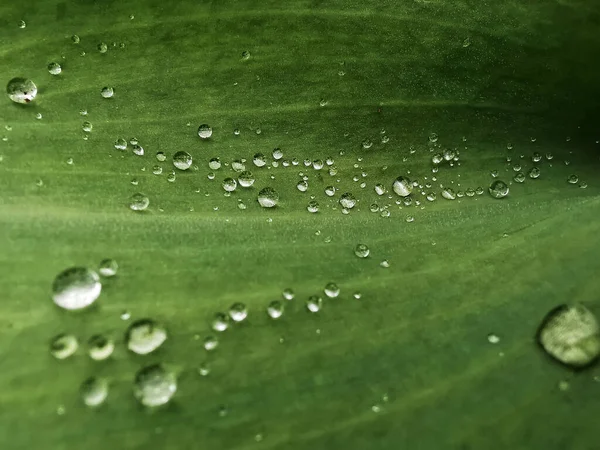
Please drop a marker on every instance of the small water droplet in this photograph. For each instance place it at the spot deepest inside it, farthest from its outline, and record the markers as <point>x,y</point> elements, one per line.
<point>63,346</point>
<point>94,391</point>
<point>362,250</point>
<point>108,267</point>
<point>332,290</point>
<point>100,347</point>
<point>54,68</point>
<point>204,131</point>
<point>107,92</point>
<point>275,309</point>
<point>498,189</point>
<point>182,160</point>
<point>238,312</point>
<point>314,303</point>
<point>402,186</point>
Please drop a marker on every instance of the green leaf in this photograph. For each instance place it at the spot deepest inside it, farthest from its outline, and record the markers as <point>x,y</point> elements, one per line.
<point>408,364</point>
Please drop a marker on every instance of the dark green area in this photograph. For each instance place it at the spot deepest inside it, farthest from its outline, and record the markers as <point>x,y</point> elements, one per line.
<point>419,332</point>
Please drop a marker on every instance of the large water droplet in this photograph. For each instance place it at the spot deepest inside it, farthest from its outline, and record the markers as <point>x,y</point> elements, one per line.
<point>246,179</point>
<point>570,334</point>
<point>63,346</point>
<point>94,391</point>
<point>144,336</point>
<point>347,200</point>
<point>154,385</point>
<point>402,186</point>
<point>139,202</point>
<point>204,131</point>
<point>220,322</point>
<point>182,160</point>
<point>498,189</point>
<point>268,197</point>
<point>76,288</point>
<point>21,90</point>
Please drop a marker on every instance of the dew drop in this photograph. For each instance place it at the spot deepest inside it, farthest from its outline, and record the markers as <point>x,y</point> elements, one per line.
<point>571,335</point>
<point>275,309</point>
<point>204,131</point>
<point>220,322</point>
<point>314,303</point>
<point>144,336</point>
<point>154,385</point>
<point>21,90</point>
<point>121,144</point>
<point>402,186</point>
<point>268,197</point>
<point>63,346</point>
<point>238,312</point>
<point>54,68</point>
<point>347,200</point>
<point>100,347</point>
<point>362,250</point>
<point>108,267</point>
<point>498,189</point>
<point>210,343</point>
<point>94,391</point>
<point>139,202</point>
<point>288,294</point>
<point>76,288</point>
<point>107,92</point>
<point>182,160</point>
<point>332,290</point>
<point>246,179</point>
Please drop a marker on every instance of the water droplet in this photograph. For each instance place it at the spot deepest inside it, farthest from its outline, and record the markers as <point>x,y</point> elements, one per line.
<point>347,200</point>
<point>302,185</point>
<point>330,191</point>
<point>385,263</point>
<point>357,295</point>
<point>448,193</point>
<point>144,336</point>
<point>466,43</point>
<point>125,315</point>
<point>107,92</point>
<point>75,39</point>
<point>87,127</point>
<point>154,385</point>
<point>549,156</point>
<point>94,391</point>
<point>121,144</point>
<point>402,186</point>
<point>519,177</point>
<point>367,144</point>
<point>332,290</point>
<point>259,160</point>
<point>433,137</point>
<point>362,250</point>
<point>277,153</point>
<point>314,303</point>
<point>430,196</point>
<point>204,131</point>
<point>22,24</point>
<point>275,309</point>
<point>573,179</point>
<point>214,164</point>
<point>229,184</point>
<point>171,177</point>
<point>493,338</point>
<point>210,343</point>
<point>570,334</point>
<point>220,322</point>
<point>21,90</point>
<point>157,170</point>
<point>138,149</point>
<point>182,160</point>
<point>288,294</point>
<point>246,179</point>
<point>238,312</point>
<point>108,267</point>
<point>100,347</point>
<point>498,189</point>
<point>54,68</point>
<point>76,288</point>
<point>268,197</point>
<point>449,154</point>
<point>245,55</point>
<point>139,202</point>
<point>534,173</point>
<point>102,47</point>
<point>204,369</point>
<point>313,206</point>
<point>63,346</point>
